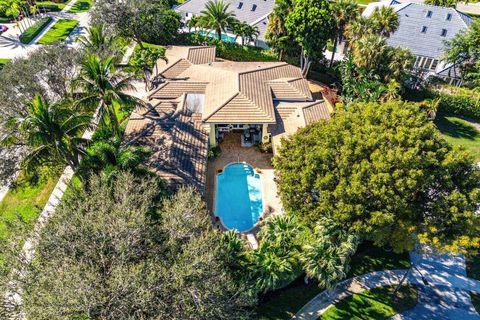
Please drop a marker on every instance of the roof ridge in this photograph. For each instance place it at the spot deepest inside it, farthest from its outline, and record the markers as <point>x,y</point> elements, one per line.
<point>174,64</point>
<point>221,106</point>
<point>281,64</point>
<point>157,89</point>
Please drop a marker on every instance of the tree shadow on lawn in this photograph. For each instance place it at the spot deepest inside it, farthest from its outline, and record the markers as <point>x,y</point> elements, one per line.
<point>455,127</point>
<point>81,5</point>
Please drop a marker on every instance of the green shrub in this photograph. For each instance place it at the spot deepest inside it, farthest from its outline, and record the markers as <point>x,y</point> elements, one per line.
<point>214,152</point>
<point>34,30</point>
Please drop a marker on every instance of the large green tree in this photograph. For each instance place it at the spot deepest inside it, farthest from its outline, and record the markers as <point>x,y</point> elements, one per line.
<point>143,20</point>
<point>464,52</point>
<point>277,36</point>
<point>383,171</point>
<point>115,250</point>
<point>311,25</point>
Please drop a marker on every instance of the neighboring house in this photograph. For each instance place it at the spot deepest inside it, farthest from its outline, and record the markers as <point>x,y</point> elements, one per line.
<point>253,12</point>
<point>201,100</point>
<point>424,29</point>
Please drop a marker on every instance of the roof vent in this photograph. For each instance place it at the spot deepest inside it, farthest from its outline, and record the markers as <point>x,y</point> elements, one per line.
<point>254,7</point>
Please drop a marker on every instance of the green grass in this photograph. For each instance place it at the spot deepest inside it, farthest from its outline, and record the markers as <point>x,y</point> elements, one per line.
<point>60,31</point>
<point>378,303</point>
<point>81,6</point>
<point>284,303</point>
<point>29,34</point>
<point>3,62</point>
<point>370,258</point>
<point>459,132</point>
<point>364,1</point>
<point>52,6</point>
<point>26,200</point>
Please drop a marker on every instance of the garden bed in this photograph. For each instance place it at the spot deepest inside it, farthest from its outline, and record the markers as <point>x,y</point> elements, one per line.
<point>378,303</point>
<point>30,34</point>
<point>59,32</point>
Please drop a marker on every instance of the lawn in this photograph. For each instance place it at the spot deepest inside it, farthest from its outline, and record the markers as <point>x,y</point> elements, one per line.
<point>3,62</point>
<point>284,303</point>
<point>364,1</point>
<point>60,31</point>
<point>378,303</point>
<point>52,6</point>
<point>26,200</point>
<point>28,35</point>
<point>81,6</point>
<point>459,132</point>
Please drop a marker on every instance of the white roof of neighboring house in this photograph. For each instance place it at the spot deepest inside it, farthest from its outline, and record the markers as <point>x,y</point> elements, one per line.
<point>253,12</point>
<point>413,17</point>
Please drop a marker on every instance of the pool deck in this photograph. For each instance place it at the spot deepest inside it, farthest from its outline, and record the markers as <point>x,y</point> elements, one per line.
<point>233,152</point>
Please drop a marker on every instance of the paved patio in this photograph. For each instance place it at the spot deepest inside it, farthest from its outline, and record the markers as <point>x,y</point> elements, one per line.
<point>233,152</point>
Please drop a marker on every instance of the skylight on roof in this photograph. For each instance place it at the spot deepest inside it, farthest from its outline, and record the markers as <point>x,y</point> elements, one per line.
<point>254,7</point>
<point>240,5</point>
<point>429,14</point>
<point>444,33</point>
<point>449,16</point>
<point>424,29</point>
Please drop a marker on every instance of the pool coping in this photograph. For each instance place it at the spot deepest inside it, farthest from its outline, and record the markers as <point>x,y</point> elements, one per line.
<point>215,216</point>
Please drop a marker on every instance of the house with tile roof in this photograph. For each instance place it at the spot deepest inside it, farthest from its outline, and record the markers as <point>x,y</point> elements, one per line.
<point>253,12</point>
<point>424,29</point>
<point>200,100</point>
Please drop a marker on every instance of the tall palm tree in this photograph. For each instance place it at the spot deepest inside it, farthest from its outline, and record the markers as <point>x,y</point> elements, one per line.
<point>356,29</point>
<point>192,23</point>
<point>384,20</point>
<point>216,16</point>
<point>52,133</point>
<point>281,231</point>
<point>368,50</point>
<point>277,36</point>
<point>271,269</point>
<point>98,41</point>
<point>344,11</point>
<point>101,86</point>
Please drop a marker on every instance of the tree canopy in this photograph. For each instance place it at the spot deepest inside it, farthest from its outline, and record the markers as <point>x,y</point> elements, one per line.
<point>311,25</point>
<point>382,170</point>
<point>115,250</point>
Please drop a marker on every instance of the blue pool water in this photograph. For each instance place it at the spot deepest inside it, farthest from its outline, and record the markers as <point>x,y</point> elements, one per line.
<point>239,197</point>
<point>225,38</point>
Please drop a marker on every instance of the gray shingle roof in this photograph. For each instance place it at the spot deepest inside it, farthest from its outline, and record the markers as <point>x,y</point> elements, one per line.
<point>413,17</point>
<point>244,14</point>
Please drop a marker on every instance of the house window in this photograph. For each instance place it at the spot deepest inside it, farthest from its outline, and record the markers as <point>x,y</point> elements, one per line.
<point>434,64</point>
<point>427,64</point>
<point>449,16</point>
<point>444,33</point>
<point>417,61</point>
<point>429,14</point>
<point>424,29</point>
<point>254,7</point>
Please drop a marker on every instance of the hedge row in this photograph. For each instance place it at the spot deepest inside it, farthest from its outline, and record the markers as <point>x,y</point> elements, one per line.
<point>461,105</point>
<point>34,30</point>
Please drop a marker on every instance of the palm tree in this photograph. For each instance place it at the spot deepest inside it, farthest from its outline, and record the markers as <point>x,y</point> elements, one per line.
<point>142,62</point>
<point>216,16</point>
<point>109,157</point>
<point>98,41</point>
<point>281,231</point>
<point>100,85</point>
<point>368,50</point>
<point>52,132</point>
<point>271,269</point>
<point>326,256</point>
<point>344,11</point>
<point>384,21</point>
<point>192,23</point>
<point>246,32</point>
<point>357,28</point>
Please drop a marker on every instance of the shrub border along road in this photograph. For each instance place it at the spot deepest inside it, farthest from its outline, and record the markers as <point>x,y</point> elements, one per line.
<point>30,34</point>
<point>59,31</point>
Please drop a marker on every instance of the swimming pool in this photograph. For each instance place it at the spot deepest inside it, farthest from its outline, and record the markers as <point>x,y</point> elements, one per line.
<point>239,197</point>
